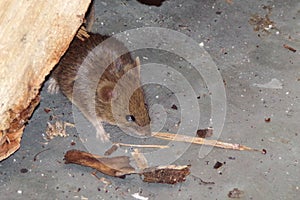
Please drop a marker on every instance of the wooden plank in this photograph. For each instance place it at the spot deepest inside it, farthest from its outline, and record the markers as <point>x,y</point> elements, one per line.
<point>33,36</point>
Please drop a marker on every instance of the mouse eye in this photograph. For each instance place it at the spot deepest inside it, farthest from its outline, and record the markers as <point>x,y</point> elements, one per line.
<point>130,118</point>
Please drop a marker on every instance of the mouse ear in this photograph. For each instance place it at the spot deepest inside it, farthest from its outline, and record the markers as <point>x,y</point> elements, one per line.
<point>106,92</point>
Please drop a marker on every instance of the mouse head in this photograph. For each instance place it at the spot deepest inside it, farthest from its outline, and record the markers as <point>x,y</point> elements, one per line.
<point>123,101</point>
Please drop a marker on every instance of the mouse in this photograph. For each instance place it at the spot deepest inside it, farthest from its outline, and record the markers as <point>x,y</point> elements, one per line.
<point>104,87</point>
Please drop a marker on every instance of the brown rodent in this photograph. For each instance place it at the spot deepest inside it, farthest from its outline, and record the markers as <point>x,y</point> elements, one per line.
<point>104,86</point>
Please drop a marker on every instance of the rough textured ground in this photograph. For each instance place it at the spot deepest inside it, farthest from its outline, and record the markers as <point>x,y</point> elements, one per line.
<point>261,80</point>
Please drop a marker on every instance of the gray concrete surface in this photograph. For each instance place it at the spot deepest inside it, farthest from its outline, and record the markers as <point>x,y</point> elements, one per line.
<point>247,60</point>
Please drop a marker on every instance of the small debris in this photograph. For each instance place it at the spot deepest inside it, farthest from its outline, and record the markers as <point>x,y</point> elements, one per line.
<point>235,193</point>
<point>289,48</point>
<point>206,182</point>
<point>36,155</point>
<point>56,129</point>
<point>105,181</point>
<point>138,196</point>
<point>218,165</point>
<point>112,149</point>
<point>204,133</point>
<point>47,110</point>
<point>184,27</point>
<point>73,143</point>
<point>263,24</point>
<point>82,34</point>
<point>264,151</point>
<point>83,198</point>
<point>273,84</point>
<point>23,170</point>
<point>174,107</point>
<point>268,119</point>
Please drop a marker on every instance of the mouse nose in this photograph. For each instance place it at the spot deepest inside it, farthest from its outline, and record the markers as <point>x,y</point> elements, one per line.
<point>144,130</point>
<point>138,131</point>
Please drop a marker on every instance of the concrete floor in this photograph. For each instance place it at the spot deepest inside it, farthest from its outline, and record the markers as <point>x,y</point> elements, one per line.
<point>261,79</point>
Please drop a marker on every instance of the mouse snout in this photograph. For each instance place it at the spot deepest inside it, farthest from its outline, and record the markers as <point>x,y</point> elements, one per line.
<point>138,131</point>
<point>144,130</point>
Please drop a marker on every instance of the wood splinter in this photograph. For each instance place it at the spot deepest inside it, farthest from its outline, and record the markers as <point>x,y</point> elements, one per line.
<point>115,166</point>
<point>197,140</point>
<point>289,48</point>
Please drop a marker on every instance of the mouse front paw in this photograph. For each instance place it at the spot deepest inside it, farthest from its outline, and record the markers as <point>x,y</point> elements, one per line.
<point>100,133</point>
<point>53,86</point>
<point>103,136</point>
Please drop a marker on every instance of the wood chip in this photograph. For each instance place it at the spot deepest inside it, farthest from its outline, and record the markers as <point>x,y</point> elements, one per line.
<point>289,48</point>
<point>166,174</point>
<point>115,166</point>
<point>112,149</point>
<point>204,133</point>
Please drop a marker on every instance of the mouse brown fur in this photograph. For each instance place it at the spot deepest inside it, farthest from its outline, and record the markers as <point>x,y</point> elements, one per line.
<point>104,86</point>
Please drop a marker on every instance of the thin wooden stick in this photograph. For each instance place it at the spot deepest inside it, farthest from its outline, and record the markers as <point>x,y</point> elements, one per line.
<point>197,140</point>
<point>143,145</point>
